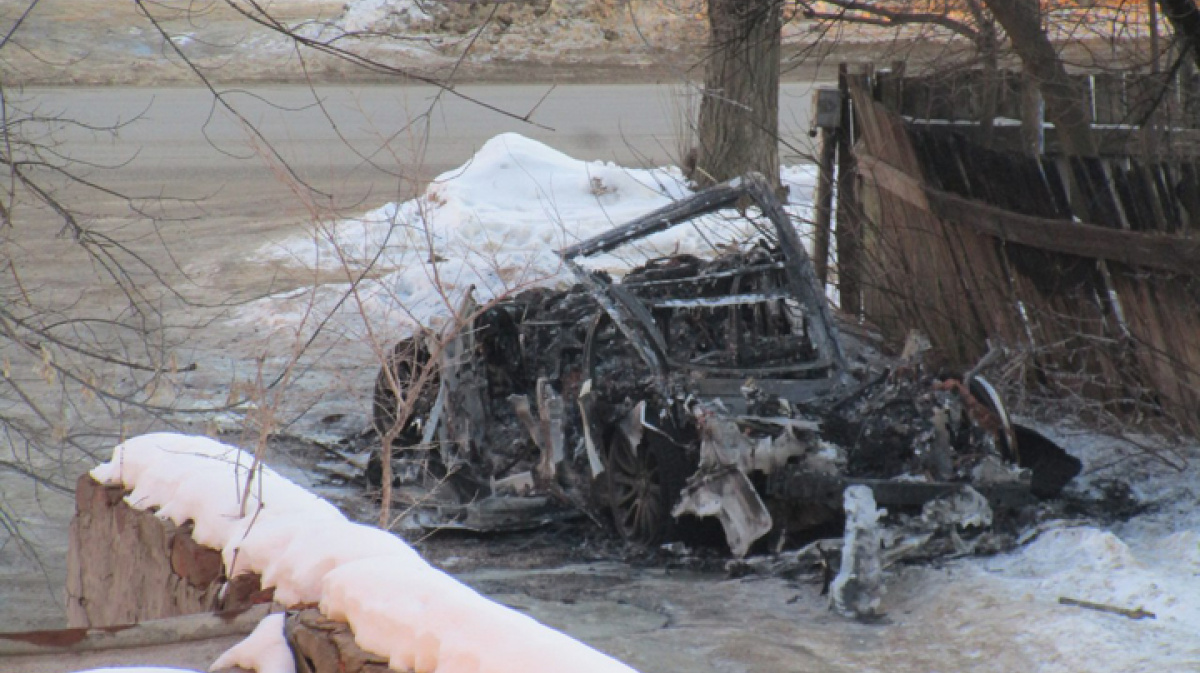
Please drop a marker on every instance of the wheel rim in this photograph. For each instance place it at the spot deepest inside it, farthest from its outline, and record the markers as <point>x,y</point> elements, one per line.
<point>637,492</point>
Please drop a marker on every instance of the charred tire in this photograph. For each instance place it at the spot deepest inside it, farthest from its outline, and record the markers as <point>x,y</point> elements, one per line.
<point>644,485</point>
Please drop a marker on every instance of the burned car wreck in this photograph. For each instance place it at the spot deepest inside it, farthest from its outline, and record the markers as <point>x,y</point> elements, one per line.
<point>719,387</point>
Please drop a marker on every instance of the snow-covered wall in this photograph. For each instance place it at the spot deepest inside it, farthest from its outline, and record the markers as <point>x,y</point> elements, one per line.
<point>124,566</point>
<point>399,607</point>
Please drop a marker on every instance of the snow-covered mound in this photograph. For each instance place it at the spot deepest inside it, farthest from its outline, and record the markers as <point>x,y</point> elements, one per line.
<point>511,205</point>
<point>535,30</point>
<point>383,15</point>
<point>397,605</point>
<point>492,226</point>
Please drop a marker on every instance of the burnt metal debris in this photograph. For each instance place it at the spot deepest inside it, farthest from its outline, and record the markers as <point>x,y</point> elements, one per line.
<point>693,387</point>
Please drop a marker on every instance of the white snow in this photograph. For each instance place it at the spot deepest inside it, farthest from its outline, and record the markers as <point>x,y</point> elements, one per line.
<point>366,15</point>
<point>138,669</point>
<point>396,604</point>
<point>265,650</point>
<point>1150,562</point>
<point>493,225</point>
<point>424,620</point>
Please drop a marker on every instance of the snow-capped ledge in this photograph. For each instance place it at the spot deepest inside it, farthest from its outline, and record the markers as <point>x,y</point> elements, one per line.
<point>397,605</point>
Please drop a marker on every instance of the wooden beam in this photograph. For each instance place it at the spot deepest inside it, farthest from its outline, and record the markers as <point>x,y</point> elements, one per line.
<point>823,206</point>
<point>893,180</point>
<point>849,233</point>
<point>152,633</point>
<point>1149,250</point>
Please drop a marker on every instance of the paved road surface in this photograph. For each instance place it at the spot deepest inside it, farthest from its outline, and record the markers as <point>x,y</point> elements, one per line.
<point>359,140</point>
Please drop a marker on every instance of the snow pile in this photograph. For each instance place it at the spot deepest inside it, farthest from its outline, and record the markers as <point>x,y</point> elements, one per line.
<point>424,620</point>
<point>396,604</point>
<point>491,227</point>
<point>265,650</point>
<point>138,669</point>
<point>538,31</point>
<point>382,15</point>
<point>1151,562</point>
<point>509,208</point>
<point>1125,567</point>
<point>1003,613</point>
<point>1096,566</point>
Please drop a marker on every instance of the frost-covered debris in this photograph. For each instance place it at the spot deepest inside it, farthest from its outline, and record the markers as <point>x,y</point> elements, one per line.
<point>397,605</point>
<point>858,588</point>
<point>492,226</point>
<point>265,650</point>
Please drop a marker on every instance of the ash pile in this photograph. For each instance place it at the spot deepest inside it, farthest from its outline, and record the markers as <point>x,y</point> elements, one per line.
<point>693,388</point>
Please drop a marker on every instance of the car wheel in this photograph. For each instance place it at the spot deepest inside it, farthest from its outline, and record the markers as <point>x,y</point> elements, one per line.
<point>643,487</point>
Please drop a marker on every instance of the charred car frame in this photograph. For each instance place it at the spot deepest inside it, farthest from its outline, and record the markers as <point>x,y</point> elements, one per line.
<point>718,387</point>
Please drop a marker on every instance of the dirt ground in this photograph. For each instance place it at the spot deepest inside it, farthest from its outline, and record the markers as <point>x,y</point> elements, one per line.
<point>70,42</point>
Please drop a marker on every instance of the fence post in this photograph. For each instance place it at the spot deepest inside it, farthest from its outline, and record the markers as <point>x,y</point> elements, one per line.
<point>823,208</point>
<point>849,228</point>
<point>1033,115</point>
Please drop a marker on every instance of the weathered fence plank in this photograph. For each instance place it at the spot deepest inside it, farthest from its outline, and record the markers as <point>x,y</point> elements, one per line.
<point>1102,281</point>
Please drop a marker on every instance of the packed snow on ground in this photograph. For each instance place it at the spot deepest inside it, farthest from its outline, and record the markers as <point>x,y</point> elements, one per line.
<point>492,225</point>
<point>1151,562</point>
<point>397,605</point>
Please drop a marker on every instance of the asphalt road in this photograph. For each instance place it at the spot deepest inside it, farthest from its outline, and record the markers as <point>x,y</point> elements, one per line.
<point>365,142</point>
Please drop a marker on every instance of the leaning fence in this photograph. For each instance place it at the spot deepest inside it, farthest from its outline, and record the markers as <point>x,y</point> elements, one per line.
<point>1089,266</point>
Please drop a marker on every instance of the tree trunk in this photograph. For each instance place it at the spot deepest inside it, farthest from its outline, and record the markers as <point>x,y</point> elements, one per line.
<point>739,113</point>
<point>1063,97</point>
<point>988,44</point>
<point>1185,19</point>
<point>849,209</point>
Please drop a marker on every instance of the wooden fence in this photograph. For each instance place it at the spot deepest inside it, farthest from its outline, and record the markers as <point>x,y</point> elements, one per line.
<point>1093,266</point>
<point>1112,98</point>
<point>1131,111</point>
